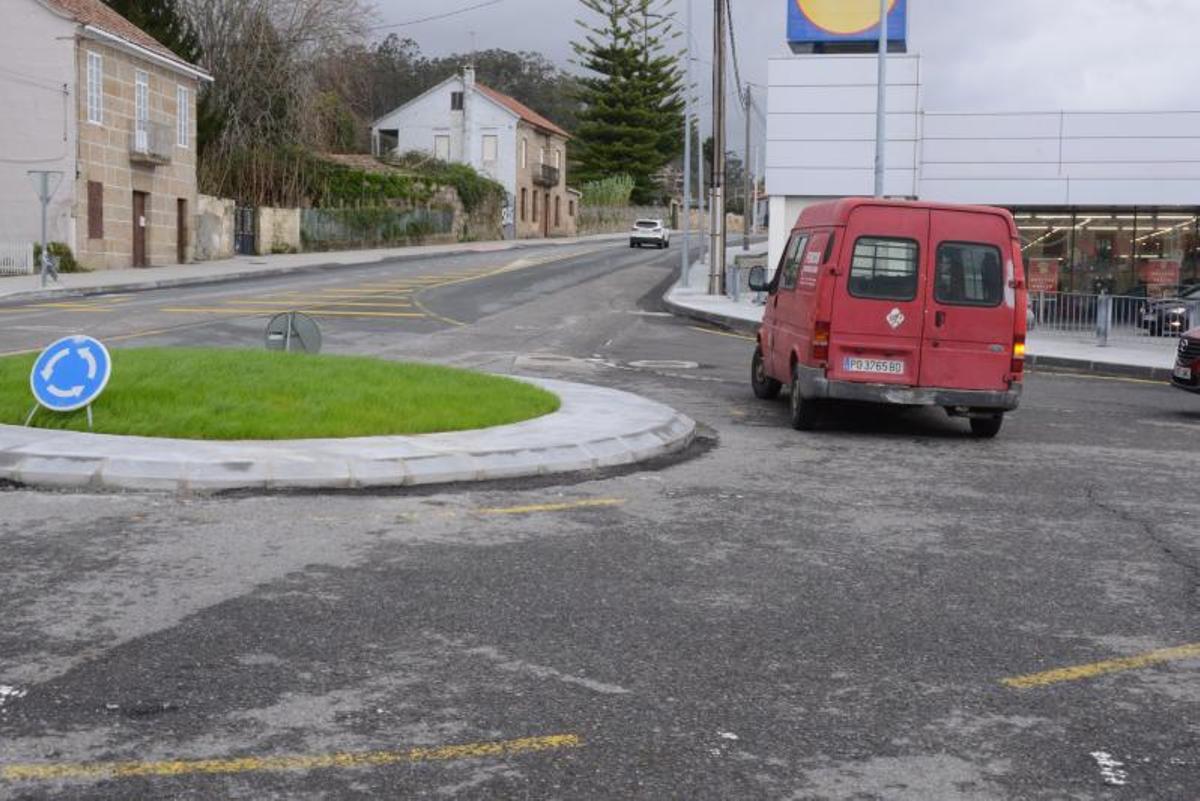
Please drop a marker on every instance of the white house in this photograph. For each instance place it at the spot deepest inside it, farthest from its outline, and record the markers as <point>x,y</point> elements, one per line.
<point>463,121</point>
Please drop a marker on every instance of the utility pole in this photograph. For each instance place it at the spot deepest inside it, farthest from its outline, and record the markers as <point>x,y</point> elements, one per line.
<point>881,100</point>
<point>687,153</point>
<point>748,174</point>
<point>701,190</point>
<point>716,260</point>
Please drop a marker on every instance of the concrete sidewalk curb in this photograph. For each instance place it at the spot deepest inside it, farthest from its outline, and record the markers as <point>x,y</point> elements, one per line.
<point>595,427</point>
<point>54,293</point>
<point>1049,363</point>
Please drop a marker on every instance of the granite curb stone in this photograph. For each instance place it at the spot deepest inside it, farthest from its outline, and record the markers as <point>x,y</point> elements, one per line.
<point>595,427</point>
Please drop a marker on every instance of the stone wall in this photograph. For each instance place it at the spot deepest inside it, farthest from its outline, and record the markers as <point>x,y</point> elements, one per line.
<point>214,228</point>
<point>278,231</point>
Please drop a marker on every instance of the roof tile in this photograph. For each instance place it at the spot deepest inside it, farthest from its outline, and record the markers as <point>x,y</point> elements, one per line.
<point>523,111</point>
<point>97,14</point>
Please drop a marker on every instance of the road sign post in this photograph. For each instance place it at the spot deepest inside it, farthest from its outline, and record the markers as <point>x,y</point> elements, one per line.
<point>69,375</point>
<point>46,182</point>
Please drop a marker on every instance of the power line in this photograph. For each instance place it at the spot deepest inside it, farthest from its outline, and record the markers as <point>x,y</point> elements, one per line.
<point>443,15</point>
<point>32,80</point>
<point>737,71</point>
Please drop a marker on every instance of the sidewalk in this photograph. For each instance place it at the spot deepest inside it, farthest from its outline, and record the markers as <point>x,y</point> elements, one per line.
<point>28,287</point>
<point>1148,359</point>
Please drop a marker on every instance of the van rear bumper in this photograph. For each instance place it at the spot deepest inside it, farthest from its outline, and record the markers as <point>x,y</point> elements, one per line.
<point>814,384</point>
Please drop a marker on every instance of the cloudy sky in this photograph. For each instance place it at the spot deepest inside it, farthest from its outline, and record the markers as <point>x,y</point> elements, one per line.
<point>976,54</point>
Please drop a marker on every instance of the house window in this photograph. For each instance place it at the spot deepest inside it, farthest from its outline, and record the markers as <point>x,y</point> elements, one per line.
<point>524,199</point>
<point>441,147</point>
<point>557,212</point>
<point>557,159</point>
<point>570,208</point>
<point>535,197</point>
<point>95,88</point>
<point>542,156</point>
<point>490,144</point>
<point>183,115</point>
<point>141,109</point>
<point>456,101</point>
<point>95,210</point>
<point>524,153</point>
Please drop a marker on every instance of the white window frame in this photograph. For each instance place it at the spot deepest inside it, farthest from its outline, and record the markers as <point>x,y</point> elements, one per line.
<point>95,88</point>
<point>141,107</point>
<point>183,116</point>
<point>438,137</point>
<point>524,153</point>
<point>557,159</point>
<point>542,157</point>
<point>483,147</point>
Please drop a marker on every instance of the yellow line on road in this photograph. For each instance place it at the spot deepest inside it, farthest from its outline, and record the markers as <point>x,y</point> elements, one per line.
<point>721,333</point>
<point>550,507</point>
<point>307,310</point>
<point>1101,668</point>
<point>75,307</point>
<point>1033,370</point>
<point>318,303</point>
<point>366,759</point>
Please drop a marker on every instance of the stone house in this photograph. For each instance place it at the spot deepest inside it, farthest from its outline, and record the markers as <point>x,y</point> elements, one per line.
<point>113,112</point>
<point>463,121</point>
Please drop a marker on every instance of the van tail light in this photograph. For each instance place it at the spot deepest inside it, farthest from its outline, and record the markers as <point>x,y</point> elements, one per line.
<point>820,342</point>
<point>1018,356</point>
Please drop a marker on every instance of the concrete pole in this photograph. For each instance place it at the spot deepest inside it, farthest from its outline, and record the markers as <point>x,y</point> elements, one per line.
<point>702,191</point>
<point>716,261</point>
<point>881,100</point>
<point>687,153</point>
<point>747,174</point>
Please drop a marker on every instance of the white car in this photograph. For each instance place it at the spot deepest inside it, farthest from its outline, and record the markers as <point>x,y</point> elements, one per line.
<point>650,232</point>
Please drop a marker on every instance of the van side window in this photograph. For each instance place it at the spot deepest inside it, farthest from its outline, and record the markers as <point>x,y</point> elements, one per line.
<point>791,261</point>
<point>884,269</point>
<point>968,274</point>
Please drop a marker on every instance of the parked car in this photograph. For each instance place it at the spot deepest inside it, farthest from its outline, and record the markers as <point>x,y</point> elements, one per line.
<point>650,232</point>
<point>896,302</point>
<point>1187,363</point>
<point>1171,316</point>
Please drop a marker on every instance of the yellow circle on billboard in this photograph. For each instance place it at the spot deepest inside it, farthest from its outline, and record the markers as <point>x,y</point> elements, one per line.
<point>843,16</point>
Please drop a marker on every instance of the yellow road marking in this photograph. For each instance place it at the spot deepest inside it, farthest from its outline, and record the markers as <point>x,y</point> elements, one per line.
<point>316,313</point>
<point>75,307</point>
<point>366,759</point>
<point>441,318</point>
<point>1101,668</point>
<point>550,507</point>
<point>314,304</point>
<point>721,333</point>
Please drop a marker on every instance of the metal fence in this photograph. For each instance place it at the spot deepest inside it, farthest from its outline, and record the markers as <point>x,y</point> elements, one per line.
<point>16,258</point>
<point>325,229</point>
<point>1123,318</point>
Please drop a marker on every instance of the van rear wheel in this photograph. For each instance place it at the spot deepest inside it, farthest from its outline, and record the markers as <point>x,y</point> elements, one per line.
<point>986,427</point>
<point>763,385</point>
<point>806,412</point>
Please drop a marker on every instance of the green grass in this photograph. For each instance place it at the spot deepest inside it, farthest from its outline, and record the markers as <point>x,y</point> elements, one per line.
<point>242,394</point>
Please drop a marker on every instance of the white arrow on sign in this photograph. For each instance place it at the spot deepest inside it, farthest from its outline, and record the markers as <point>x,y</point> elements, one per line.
<point>73,392</point>
<point>48,370</point>
<point>86,355</point>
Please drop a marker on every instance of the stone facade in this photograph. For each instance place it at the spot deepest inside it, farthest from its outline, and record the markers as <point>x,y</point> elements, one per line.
<point>106,156</point>
<point>542,210</point>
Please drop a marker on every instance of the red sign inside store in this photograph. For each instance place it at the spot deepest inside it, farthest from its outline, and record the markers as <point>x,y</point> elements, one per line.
<point>1041,275</point>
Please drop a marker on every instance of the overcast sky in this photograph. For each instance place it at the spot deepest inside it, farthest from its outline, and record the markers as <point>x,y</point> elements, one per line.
<point>980,55</point>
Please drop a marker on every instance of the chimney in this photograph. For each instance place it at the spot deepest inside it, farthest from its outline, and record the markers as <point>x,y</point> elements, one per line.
<point>468,77</point>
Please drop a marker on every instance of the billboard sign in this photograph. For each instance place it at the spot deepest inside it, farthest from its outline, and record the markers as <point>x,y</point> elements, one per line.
<point>818,21</point>
<point>1041,275</point>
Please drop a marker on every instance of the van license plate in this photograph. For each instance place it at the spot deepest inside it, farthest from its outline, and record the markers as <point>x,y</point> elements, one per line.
<point>1184,373</point>
<point>879,366</point>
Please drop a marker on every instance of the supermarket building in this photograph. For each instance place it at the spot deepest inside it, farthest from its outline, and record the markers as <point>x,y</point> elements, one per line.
<point>1104,200</point>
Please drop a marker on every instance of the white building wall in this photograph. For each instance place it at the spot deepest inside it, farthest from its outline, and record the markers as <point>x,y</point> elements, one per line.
<point>430,115</point>
<point>37,59</point>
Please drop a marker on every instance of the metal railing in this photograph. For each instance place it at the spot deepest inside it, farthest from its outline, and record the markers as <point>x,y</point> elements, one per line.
<point>151,142</point>
<point>16,258</point>
<point>546,176</point>
<point>1123,318</point>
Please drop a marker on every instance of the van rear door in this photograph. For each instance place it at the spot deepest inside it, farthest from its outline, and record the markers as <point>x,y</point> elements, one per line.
<point>875,330</point>
<point>970,305</point>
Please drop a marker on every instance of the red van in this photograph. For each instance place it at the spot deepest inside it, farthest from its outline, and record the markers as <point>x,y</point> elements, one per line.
<point>897,302</point>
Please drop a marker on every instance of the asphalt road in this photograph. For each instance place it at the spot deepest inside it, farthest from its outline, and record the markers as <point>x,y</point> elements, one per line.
<point>862,612</point>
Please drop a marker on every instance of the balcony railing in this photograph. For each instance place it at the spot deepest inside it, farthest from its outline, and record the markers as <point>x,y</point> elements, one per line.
<point>546,176</point>
<point>151,143</point>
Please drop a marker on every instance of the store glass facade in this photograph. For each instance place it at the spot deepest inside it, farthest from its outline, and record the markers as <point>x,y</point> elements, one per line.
<point>1121,251</point>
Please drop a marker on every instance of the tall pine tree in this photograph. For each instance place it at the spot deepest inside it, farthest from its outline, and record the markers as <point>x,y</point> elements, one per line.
<point>162,20</point>
<point>632,105</point>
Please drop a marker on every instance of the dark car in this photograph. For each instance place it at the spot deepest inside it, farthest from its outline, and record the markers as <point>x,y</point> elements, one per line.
<point>1187,363</point>
<point>1172,316</point>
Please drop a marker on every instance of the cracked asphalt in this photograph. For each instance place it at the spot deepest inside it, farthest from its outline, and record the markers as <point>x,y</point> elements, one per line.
<point>826,615</point>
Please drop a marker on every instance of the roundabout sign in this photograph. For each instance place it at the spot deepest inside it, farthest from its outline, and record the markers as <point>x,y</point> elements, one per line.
<point>70,373</point>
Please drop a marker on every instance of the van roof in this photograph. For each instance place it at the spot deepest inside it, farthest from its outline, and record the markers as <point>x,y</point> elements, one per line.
<point>836,212</point>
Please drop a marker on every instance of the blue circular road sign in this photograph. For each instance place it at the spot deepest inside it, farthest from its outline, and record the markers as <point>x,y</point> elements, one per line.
<point>70,374</point>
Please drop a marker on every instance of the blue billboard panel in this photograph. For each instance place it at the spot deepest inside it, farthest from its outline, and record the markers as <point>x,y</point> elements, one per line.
<point>811,21</point>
